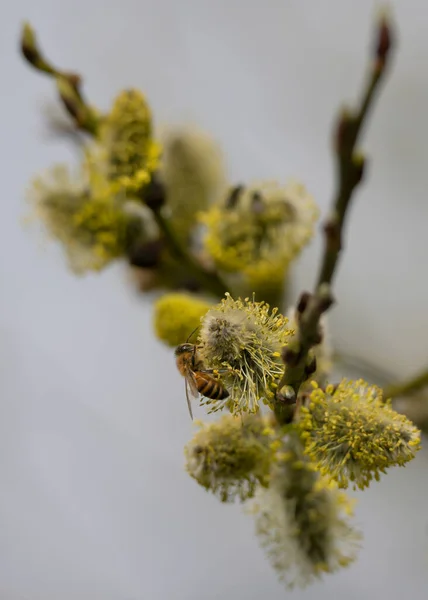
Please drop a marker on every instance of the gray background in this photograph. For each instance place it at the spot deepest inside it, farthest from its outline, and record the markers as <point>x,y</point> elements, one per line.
<point>94,503</point>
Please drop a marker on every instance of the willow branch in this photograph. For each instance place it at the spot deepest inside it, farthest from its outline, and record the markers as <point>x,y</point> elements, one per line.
<point>154,197</point>
<point>408,387</point>
<point>210,281</point>
<point>349,174</point>
<point>68,84</point>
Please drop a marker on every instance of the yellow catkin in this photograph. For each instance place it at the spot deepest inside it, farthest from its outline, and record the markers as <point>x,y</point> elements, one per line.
<point>302,519</point>
<point>261,232</point>
<point>231,456</point>
<point>353,435</point>
<point>177,315</point>
<point>244,338</point>
<point>126,139</point>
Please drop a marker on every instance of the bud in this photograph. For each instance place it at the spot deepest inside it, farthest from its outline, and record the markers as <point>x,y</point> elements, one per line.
<point>322,350</point>
<point>311,365</point>
<point>31,52</point>
<point>154,194</point>
<point>324,297</point>
<point>286,395</point>
<point>359,164</point>
<point>303,302</point>
<point>146,255</point>
<point>176,315</point>
<point>383,41</point>
<point>291,354</point>
<point>233,196</point>
<point>344,131</point>
<point>332,232</point>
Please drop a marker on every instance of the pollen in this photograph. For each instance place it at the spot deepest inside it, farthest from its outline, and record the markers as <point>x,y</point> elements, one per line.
<point>353,435</point>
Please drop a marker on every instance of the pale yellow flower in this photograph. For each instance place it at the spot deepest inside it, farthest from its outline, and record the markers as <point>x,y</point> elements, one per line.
<point>193,172</point>
<point>302,520</point>
<point>259,229</point>
<point>231,456</point>
<point>353,435</point>
<point>85,216</point>
<point>244,338</point>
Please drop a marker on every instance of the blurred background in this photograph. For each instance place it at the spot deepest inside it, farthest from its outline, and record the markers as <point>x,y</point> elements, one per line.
<point>94,501</point>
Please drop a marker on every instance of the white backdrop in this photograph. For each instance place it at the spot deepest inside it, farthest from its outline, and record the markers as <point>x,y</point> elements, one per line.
<point>94,503</point>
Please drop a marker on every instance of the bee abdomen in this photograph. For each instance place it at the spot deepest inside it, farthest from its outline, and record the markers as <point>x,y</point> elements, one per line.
<point>211,388</point>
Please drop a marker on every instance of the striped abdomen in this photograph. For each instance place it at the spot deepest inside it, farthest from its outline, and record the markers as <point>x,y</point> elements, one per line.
<point>210,387</point>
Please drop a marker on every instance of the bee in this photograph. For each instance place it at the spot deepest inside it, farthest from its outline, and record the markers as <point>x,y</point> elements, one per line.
<point>198,380</point>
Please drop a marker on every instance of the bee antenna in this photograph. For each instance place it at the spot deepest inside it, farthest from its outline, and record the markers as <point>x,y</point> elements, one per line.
<point>194,331</point>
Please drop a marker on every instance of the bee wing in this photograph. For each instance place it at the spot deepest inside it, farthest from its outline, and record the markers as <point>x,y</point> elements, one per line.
<point>191,392</point>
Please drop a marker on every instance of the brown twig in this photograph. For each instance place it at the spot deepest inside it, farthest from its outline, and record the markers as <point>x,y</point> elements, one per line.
<point>350,169</point>
<point>68,84</point>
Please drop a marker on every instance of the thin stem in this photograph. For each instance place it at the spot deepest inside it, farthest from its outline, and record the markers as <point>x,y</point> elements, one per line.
<point>349,169</point>
<point>68,84</point>
<point>408,387</point>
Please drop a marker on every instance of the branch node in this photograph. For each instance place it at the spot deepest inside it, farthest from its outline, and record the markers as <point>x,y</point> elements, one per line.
<point>332,233</point>
<point>291,354</point>
<point>303,302</point>
<point>325,297</point>
<point>286,395</point>
<point>311,365</point>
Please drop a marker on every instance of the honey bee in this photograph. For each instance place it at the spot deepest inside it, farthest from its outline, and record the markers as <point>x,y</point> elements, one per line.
<point>198,380</point>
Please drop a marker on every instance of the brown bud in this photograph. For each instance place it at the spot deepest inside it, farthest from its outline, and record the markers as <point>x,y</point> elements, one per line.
<point>324,298</point>
<point>31,51</point>
<point>190,285</point>
<point>146,255</point>
<point>290,356</point>
<point>233,197</point>
<point>257,204</point>
<point>286,395</point>
<point>383,40</point>
<point>154,194</point>
<point>303,302</point>
<point>311,365</point>
<point>316,337</point>
<point>344,130</point>
<point>332,232</point>
<point>359,164</point>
